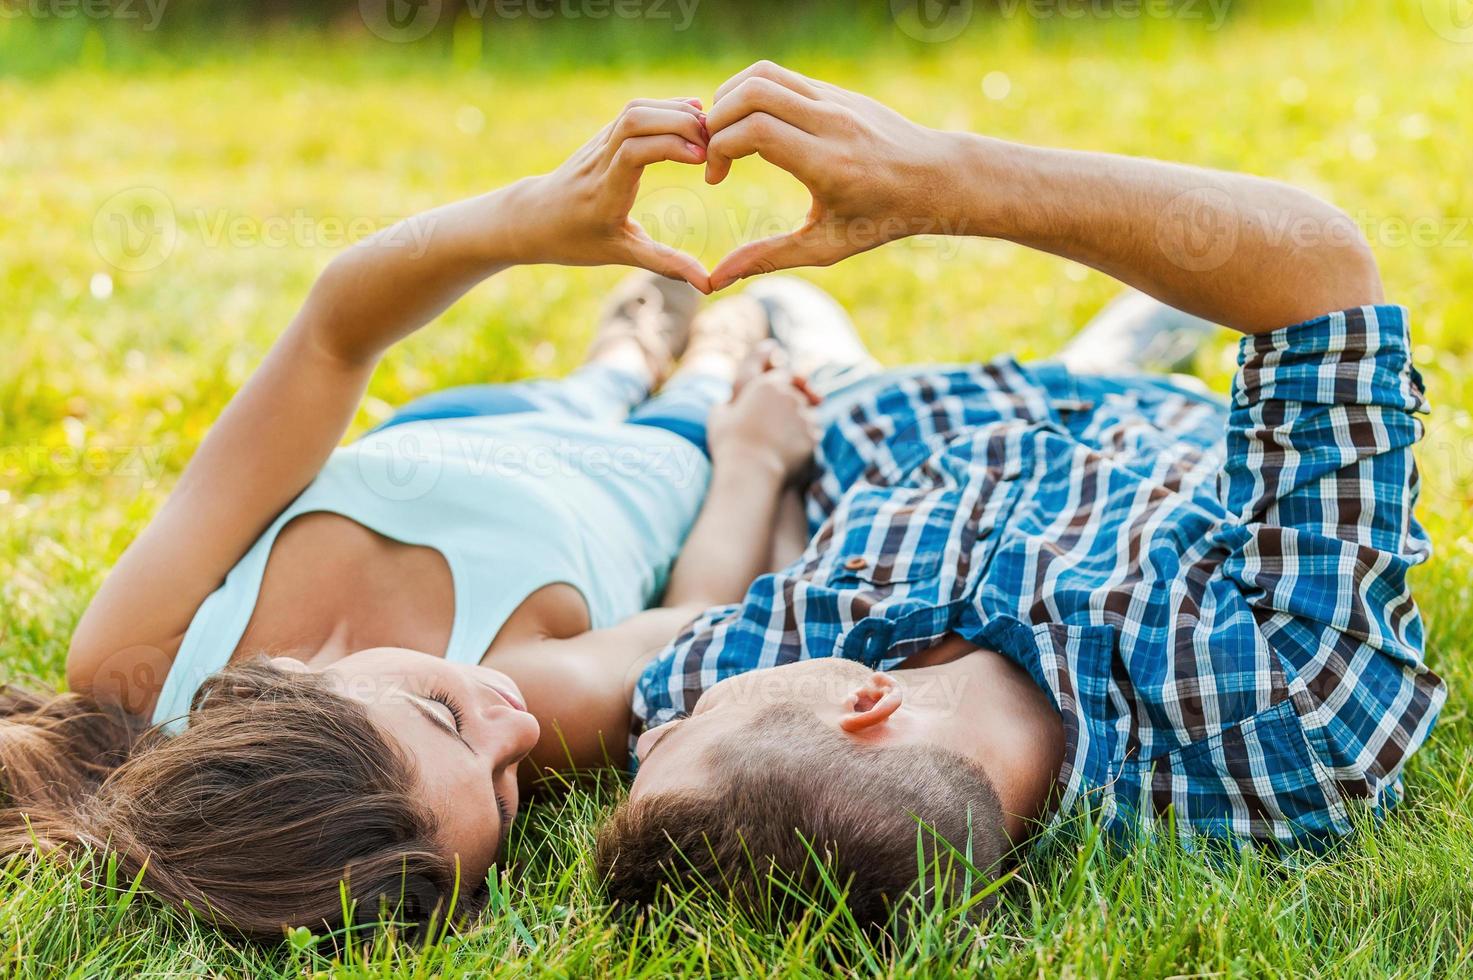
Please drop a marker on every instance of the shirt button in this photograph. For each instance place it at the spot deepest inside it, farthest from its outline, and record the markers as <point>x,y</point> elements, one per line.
<point>856,563</point>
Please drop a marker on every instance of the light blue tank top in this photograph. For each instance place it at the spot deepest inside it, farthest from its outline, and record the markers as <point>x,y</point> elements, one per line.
<point>513,503</point>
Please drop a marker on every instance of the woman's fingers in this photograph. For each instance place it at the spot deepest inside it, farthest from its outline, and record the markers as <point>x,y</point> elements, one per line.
<point>688,103</point>
<point>649,254</point>
<point>651,121</point>
<point>779,143</point>
<point>806,390</point>
<point>633,155</point>
<point>773,72</point>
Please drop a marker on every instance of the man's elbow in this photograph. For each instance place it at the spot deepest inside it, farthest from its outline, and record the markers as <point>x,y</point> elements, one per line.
<point>1351,264</point>
<point>1336,268</point>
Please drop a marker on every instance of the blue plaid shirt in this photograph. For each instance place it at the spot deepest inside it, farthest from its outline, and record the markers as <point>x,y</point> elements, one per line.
<point>1214,597</point>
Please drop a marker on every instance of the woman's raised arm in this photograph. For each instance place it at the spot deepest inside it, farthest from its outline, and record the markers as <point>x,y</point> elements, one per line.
<point>274,436</point>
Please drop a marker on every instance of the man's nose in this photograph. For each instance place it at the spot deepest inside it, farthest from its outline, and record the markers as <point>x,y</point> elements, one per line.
<point>648,738</point>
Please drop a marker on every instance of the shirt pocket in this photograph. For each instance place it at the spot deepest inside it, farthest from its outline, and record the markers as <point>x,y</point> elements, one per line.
<point>891,539</point>
<point>1258,779</point>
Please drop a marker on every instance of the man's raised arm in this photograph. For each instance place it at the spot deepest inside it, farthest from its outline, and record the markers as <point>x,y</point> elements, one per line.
<point>1249,253</point>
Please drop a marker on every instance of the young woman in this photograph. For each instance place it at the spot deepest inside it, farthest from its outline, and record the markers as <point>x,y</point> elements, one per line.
<point>324,664</point>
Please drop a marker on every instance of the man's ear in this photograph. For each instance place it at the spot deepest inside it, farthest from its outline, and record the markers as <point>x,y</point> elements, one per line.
<point>871,704</point>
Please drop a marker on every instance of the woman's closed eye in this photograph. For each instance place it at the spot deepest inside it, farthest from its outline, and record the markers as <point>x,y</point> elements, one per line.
<point>457,713</point>
<point>450,719</point>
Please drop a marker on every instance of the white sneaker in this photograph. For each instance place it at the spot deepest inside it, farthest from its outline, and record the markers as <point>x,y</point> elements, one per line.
<point>1135,333</point>
<point>814,331</point>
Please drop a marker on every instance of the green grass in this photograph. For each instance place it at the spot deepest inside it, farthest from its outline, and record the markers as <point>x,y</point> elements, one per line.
<point>104,393</point>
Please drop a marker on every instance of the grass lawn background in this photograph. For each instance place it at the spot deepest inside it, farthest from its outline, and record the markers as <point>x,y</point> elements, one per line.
<point>239,166</point>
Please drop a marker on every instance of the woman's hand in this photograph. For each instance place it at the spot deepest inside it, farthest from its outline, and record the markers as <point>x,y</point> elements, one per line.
<point>769,422</point>
<point>579,213</point>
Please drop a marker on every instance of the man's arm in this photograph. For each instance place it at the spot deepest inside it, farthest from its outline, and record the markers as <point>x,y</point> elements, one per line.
<point>1249,253</point>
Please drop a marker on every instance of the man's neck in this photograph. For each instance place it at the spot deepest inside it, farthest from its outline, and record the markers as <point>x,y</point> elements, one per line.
<point>987,708</point>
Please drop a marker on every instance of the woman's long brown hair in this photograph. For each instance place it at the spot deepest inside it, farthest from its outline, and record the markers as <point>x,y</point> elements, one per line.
<point>278,792</point>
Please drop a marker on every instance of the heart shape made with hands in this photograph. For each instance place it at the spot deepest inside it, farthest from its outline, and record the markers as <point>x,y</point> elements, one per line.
<point>694,220</point>
<point>859,161</point>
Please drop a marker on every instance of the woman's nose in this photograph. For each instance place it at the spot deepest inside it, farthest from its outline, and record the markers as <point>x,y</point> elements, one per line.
<point>523,733</point>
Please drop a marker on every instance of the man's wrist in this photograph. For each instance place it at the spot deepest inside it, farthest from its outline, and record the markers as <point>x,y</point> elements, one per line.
<point>972,184</point>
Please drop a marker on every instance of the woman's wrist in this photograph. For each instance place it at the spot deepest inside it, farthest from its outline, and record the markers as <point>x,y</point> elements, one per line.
<point>749,461</point>
<point>506,223</point>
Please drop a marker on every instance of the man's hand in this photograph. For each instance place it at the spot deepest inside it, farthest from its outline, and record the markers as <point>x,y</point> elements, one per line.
<point>1248,253</point>
<point>869,169</point>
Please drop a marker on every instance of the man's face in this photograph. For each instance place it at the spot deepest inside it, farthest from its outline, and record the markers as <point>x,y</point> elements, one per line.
<point>675,756</point>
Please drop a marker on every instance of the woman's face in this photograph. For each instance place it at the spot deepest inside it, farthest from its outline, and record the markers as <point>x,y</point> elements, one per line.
<point>465,728</point>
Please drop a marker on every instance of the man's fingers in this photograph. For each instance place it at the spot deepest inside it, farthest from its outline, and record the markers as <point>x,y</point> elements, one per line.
<point>649,254</point>
<point>764,95</point>
<point>633,155</point>
<point>779,143</point>
<point>773,72</point>
<point>767,255</point>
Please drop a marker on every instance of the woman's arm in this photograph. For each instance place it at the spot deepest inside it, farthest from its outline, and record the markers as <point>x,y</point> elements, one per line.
<point>759,442</point>
<point>274,436</point>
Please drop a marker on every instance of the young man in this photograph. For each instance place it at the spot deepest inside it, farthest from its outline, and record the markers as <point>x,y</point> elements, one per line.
<point>1096,599</point>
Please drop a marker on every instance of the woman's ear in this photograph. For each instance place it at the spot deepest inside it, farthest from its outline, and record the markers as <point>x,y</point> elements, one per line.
<point>872,703</point>
<point>290,665</point>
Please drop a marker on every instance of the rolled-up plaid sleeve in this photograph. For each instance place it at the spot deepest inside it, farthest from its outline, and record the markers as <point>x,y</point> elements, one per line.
<point>671,683</point>
<point>1321,483</point>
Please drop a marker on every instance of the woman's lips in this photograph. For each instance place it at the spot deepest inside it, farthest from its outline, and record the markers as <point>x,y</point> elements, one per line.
<point>508,697</point>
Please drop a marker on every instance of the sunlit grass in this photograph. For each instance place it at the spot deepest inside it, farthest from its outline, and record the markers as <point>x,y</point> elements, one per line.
<point>268,158</point>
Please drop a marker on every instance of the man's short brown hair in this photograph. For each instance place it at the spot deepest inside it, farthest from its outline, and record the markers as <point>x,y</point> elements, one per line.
<point>797,784</point>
